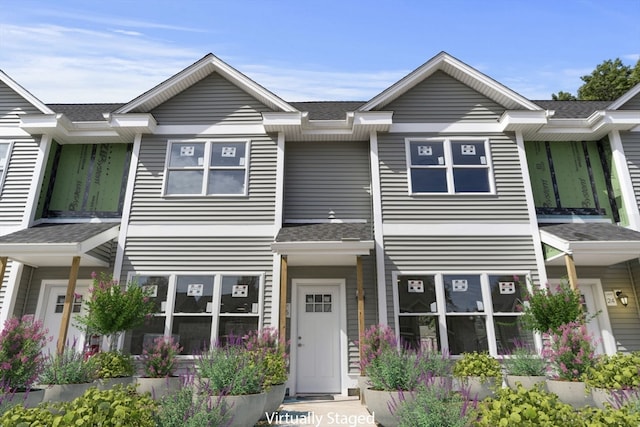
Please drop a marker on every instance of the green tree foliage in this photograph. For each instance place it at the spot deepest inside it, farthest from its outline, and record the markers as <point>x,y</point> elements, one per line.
<point>610,80</point>
<point>563,96</point>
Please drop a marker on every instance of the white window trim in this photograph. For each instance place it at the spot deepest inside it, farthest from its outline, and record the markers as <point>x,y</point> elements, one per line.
<point>169,315</point>
<point>449,166</point>
<point>3,172</point>
<point>441,313</point>
<point>206,167</point>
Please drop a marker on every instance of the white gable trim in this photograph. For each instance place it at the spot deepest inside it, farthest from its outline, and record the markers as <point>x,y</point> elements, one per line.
<point>193,74</point>
<point>24,93</point>
<point>460,71</point>
<point>625,98</point>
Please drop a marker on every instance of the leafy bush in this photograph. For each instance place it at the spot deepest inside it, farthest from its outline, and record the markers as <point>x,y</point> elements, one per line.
<point>627,415</point>
<point>570,351</point>
<point>434,364</point>
<point>21,359</point>
<point>434,405</point>
<point>267,349</point>
<point>524,361</point>
<point>477,365</point>
<point>112,364</point>
<point>524,408</point>
<point>545,311</point>
<point>158,359</point>
<point>620,371</point>
<point>394,369</point>
<point>375,340</point>
<point>116,407</point>
<point>230,370</point>
<point>70,367</point>
<point>183,409</point>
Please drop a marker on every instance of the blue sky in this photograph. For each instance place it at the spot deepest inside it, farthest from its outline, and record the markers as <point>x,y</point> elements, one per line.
<point>112,51</point>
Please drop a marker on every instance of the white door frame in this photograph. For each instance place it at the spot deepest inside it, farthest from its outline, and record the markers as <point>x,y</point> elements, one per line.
<point>606,332</point>
<point>45,293</point>
<point>342,315</point>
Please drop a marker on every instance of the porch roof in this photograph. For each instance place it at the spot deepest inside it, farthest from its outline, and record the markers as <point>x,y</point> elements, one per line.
<point>324,244</point>
<point>591,243</point>
<point>55,244</point>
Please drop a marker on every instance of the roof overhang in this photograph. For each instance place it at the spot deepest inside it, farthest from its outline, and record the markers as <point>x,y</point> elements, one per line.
<point>343,252</point>
<point>116,128</point>
<point>36,253</point>
<point>355,126</point>
<point>591,253</point>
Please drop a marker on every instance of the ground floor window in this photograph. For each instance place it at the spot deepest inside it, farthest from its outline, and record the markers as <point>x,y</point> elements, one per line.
<point>199,309</point>
<point>460,312</point>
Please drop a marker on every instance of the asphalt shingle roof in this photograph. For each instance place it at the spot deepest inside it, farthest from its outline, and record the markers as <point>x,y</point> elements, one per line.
<point>57,233</point>
<point>84,112</point>
<point>573,109</point>
<point>328,110</point>
<point>328,232</point>
<point>592,232</point>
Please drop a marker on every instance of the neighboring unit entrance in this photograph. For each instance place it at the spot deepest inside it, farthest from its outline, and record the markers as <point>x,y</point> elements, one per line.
<point>317,337</point>
<point>51,303</point>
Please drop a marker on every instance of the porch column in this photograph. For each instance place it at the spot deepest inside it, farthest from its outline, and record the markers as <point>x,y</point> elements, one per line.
<point>283,298</point>
<point>68,304</point>
<point>3,268</point>
<point>360,282</point>
<point>571,271</point>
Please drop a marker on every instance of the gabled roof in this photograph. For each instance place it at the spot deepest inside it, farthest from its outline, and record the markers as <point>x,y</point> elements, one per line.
<point>625,98</point>
<point>24,93</point>
<point>573,109</point>
<point>460,71</point>
<point>85,112</point>
<point>193,74</point>
<point>328,110</point>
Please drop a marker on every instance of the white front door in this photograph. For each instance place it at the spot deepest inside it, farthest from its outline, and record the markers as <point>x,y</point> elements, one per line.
<point>50,311</point>
<point>318,339</point>
<point>599,326</point>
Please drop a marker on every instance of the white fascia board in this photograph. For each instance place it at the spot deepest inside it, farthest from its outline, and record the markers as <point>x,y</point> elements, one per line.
<point>622,117</point>
<point>140,122</point>
<point>43,121</point>
<point>212,130</point>
<point>475,128</point>
<point>607,247</point>
<point>554,241</point>
<point>514,119</point>
<point>282,119</point>
<point>625,98</point>
<point>13,85</point>
<point>344,247</point>
<point>366,118</point>
<point>456,229</point>
<point>99,239</point>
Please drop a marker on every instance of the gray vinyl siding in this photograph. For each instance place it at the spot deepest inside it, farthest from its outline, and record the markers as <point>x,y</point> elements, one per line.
<point>456,253</point>
<point>211,100</point>
<point>12,106</point>
<point>632,104</point>
<point>507,205</point>
<point>203,254</point>
<point>18,180</point>
<point>631,145</point>
<point>149,206</point>
<point>327,176</point>
<point>31,288</point>
<point>370,302</point>
<point>442,99</point>
<point>105,252</point>
<point>625,321</point>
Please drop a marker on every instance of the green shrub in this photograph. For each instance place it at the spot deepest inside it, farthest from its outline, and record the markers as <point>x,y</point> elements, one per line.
<point>477,365</point>
<point>112,364</point>
<point>116,407</point>
<point>230,370</point>
<point>393,370</point>
<point>609,417</point>
<point>620,371</point>
<point>524,361</point>
<point>524,408</point>
<point>434,364</point>
<point>183,409</point>
<point>70,367</point>
<point>545,311</point>
<point>435,406</point>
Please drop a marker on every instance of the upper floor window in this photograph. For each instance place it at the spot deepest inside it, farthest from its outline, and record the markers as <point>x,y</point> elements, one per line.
<point>207,168</point>
<point>4,159</point>
<point>445,166</point>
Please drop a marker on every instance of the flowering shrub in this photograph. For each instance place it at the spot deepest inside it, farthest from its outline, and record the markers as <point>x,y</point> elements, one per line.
<point>230,370</point>
<point>570,351</point>
<point>270,351</point>
<point>112,310</point>
<point>545,311</point>
<point>158,359</point>
<point>21,359</point>
<point>70,367</point>
<point>376,340</point>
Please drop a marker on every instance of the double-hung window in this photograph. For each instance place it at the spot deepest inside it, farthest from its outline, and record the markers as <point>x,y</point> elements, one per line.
<point>460,312</point>
<point>207,167</point>
<point>448,166</point>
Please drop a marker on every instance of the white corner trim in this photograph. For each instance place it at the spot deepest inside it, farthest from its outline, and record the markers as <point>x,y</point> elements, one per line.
<point>126,208</point>
<point>378,231</point>
<point>279,201</point>
<point>15,269</point>
<point>36,182</point>
<point>626,184</point>
<point>456,229</point>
